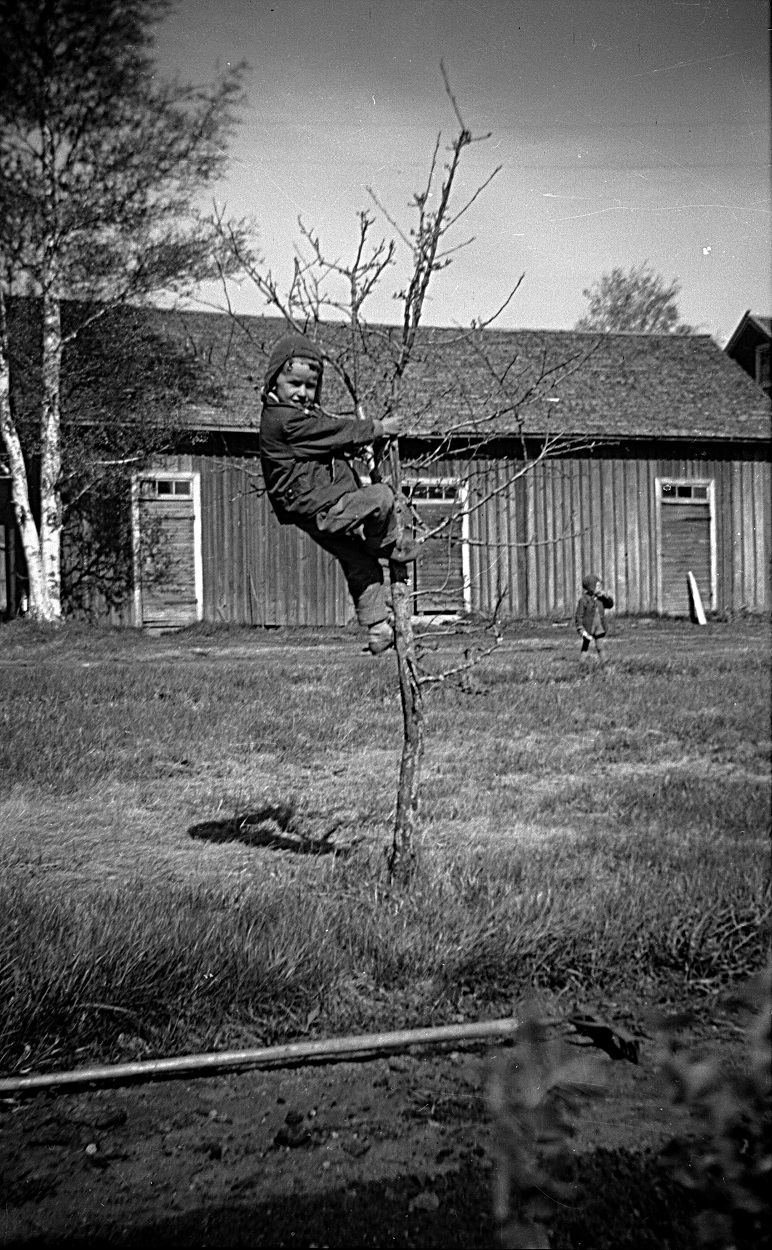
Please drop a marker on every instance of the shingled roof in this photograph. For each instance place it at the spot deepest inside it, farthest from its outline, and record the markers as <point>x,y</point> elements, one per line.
<point>607,386</point>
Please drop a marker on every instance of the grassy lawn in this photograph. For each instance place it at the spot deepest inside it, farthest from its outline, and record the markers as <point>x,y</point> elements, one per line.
<point>599,835</point>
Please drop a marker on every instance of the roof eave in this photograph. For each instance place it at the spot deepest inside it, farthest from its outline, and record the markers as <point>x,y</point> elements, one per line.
<point>569,435</point>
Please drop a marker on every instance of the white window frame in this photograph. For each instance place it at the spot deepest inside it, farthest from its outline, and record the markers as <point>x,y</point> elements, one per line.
<point>462,498</point>
<point>175,475</point>
<point>661,503</point>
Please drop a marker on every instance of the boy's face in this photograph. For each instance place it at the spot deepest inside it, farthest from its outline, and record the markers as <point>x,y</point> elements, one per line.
<point>297,383</point>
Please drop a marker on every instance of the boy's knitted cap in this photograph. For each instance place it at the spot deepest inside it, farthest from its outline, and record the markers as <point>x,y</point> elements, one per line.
<point>590,582</point>
<point>292,347</point>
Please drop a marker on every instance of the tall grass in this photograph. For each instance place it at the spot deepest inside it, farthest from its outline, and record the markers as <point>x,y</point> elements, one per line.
<point>166,967</point>
<point>591,835</point>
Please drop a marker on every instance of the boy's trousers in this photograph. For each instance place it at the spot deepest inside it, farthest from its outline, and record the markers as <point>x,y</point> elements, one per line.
<point>372,508</point>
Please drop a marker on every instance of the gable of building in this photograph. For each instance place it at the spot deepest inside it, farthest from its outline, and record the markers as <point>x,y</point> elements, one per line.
<point>750,345</point>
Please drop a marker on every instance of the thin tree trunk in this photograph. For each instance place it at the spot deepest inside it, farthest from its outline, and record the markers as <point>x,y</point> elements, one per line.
<point>50,452</point>
<point>19,486</point>
<point>402,857</point>
<point>50,417</point>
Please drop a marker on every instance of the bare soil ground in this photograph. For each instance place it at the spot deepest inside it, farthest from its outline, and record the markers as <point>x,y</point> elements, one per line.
<point>390,1152</point>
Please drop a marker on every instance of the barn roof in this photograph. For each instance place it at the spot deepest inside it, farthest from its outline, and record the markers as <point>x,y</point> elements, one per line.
<point>608,386</point>
<point>472,383</point>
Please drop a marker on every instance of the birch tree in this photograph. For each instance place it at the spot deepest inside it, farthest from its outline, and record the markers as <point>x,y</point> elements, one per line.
<point>100,165</point>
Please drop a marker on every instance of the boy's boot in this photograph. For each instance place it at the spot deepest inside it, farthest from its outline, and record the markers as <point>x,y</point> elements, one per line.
<point>405,552</point>
<point>380,637</point>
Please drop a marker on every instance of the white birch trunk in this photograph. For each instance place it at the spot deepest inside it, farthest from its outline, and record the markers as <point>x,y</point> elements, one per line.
<point>50,419</point>
<point>50,453</point>
<point>38,605</point>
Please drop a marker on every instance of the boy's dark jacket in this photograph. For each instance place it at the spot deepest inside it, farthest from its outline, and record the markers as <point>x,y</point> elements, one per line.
<point>590,614</point>
<point>302,454</point>
<point>302,450</point>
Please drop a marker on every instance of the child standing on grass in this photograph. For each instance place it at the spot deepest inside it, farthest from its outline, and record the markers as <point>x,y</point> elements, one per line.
<point>590,616</point>
<point>311,484</point>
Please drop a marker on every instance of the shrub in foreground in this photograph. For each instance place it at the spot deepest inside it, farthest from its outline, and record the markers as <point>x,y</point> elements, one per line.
<point>708,1188</point>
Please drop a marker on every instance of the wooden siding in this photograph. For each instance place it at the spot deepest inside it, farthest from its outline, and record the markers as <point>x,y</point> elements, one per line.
<point>742,521</point>
<point>536,535</point>
<point>532,537</point>
<point>255,571</point>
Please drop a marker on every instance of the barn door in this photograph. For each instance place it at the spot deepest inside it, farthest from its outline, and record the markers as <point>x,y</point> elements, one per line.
<point>441,573</point>
<point>686,543</point>
<point>167,550</point>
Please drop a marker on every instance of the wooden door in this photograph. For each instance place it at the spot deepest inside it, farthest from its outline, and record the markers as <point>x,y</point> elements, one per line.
<point>439,578</point>
<point>167,546</point>
<point>686,546</point>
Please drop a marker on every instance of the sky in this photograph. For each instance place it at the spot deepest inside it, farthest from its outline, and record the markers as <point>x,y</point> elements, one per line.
<point>626,131</point>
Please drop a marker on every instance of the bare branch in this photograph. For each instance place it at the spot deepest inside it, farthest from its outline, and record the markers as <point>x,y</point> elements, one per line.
<point>471,660</point>
<point>483,322</point>
<point>452,98</point>
<point>451,221</point>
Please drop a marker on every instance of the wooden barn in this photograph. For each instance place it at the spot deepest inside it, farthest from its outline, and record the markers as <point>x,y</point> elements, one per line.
<point>658,466</point>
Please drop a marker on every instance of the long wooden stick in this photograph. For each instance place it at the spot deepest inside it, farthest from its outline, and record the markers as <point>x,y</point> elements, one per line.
<point>330,1050</point>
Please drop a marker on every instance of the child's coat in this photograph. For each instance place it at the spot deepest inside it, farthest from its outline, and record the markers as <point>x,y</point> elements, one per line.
<point>590,615</point>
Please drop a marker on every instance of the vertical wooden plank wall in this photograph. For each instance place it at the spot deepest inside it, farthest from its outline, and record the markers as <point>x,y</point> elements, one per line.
<point>534,537</point>
<point>568,517</point>
<point>257,572</point>
<point>743,532</point>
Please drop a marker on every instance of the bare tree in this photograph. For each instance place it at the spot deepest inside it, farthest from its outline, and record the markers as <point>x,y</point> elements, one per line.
<point>326,299</point>
<point>99,167</point>
<point>638,300</point>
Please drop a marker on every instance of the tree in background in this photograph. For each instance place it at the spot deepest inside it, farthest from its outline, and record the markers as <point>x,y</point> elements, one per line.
<point>638,301</point>
<point>124,384</point>
<point>100,164</point>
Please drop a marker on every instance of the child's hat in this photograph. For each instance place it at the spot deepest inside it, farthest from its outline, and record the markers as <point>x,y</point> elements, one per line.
<point>590,582</point>
<point>292,347</point>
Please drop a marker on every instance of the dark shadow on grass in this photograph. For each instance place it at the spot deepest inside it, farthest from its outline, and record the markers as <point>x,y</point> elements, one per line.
<point>275,825</point>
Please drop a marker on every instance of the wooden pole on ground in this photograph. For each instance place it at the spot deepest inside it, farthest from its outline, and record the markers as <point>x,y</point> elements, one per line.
<point>332,1050</point>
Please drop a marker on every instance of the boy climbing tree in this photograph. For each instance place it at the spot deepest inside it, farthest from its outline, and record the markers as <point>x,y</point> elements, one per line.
<point>311,483</point>
<point>304,448</point>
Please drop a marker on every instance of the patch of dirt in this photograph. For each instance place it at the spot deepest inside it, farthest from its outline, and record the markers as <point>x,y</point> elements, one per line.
<point>389,1152</point>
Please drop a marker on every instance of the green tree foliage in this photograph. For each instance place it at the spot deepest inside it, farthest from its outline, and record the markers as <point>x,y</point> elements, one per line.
<point>639,301</point>
<point>101,163</point>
